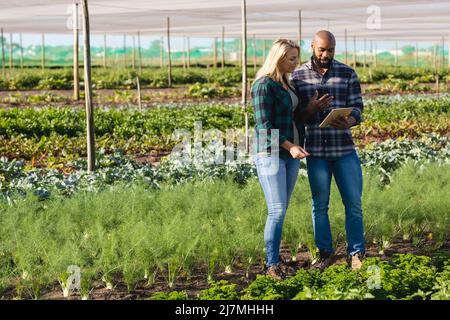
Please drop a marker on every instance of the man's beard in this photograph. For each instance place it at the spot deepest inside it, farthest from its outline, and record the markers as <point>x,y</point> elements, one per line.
<point>320,64</point>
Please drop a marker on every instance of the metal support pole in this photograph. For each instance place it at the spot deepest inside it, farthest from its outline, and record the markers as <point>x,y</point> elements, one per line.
<point>346,58</point>
<point>104,51</point>
<point>223,48</point>
<point>43,52</point>
<point>125,51</point>
<point>139,52</point>
<point>76,76</point>
<point>3,54</point>
<point>299,34</point>
<point>244,70</point>
<point>21,51</point>
<point>169,54</point>
<point>11,60</point>
<point>88,90</point>
<point>188,53</point>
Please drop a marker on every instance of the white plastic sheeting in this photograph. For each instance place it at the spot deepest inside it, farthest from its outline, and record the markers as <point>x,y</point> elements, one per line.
<point>377,20</point>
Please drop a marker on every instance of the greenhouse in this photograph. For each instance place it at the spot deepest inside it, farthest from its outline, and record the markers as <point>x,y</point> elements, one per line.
<point>127,138</point>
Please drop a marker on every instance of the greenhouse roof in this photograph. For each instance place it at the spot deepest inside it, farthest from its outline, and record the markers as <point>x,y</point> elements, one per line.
<point>418,20</point>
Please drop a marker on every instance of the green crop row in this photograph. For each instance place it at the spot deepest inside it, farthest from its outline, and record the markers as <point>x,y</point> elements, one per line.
<point>17,177</point>
<point>130,234</point>
<point>56,150</point>
<point>163,120</point>
<point>119,78</point>
<point>405,277</point>
<point>394,73</point>
<point>158,121</point>
<point>115,78</point>
<point>53,136</point>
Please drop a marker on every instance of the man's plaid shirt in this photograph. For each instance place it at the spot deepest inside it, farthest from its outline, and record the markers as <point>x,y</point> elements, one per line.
<point>341,82</point>
<point>272,109</point>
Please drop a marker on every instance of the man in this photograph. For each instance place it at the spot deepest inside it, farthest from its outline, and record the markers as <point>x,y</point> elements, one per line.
<point>332,151</point>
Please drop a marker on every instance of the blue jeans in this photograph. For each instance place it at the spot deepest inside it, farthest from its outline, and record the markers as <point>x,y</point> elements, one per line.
<point>277,177</point>
<point>348,176</point>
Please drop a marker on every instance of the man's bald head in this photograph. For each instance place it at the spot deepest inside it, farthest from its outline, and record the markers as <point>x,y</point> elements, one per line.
<point>323,48</point>
<point>324,35</point>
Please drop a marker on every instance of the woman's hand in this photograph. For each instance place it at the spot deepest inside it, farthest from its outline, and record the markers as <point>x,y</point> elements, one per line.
<point>316,105</point>
<point>298,152</point>
<point>295,150</point>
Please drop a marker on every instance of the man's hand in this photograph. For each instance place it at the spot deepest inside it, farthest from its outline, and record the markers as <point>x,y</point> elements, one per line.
<point>343,123</point>
<point>316,105</point>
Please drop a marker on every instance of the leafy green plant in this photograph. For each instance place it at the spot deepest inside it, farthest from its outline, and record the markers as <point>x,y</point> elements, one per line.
<point>220,290</point>
<point>330,293</point>
<point>339,277</point>
<point>199,90</point>
<point>54,83</point>
<point>301,280</point>
<point>264,288</point>
<point>404,278</point>
<point>173,295</point>
<point>441,288</point>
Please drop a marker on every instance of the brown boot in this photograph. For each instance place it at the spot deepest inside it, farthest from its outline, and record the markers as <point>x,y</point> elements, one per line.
<point>356,261</point>
<point>275,272</point>
<point>326,259</point>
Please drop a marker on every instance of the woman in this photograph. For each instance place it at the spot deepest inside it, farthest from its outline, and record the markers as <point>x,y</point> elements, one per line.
<point>278,141</point>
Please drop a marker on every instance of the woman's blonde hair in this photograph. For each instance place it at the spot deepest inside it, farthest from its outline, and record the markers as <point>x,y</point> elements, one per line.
<point>276,56</point>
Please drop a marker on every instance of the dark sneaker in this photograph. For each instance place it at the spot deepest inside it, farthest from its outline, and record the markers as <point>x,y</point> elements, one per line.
<point>356,260</point>
<point>326,259</point>
<point>275,272</point>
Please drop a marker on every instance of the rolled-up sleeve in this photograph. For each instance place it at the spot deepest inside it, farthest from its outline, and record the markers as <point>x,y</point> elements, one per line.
<point>354,98</point>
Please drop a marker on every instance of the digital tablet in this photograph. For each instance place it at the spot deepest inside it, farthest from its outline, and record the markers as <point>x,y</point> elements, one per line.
<point>334,114</point>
